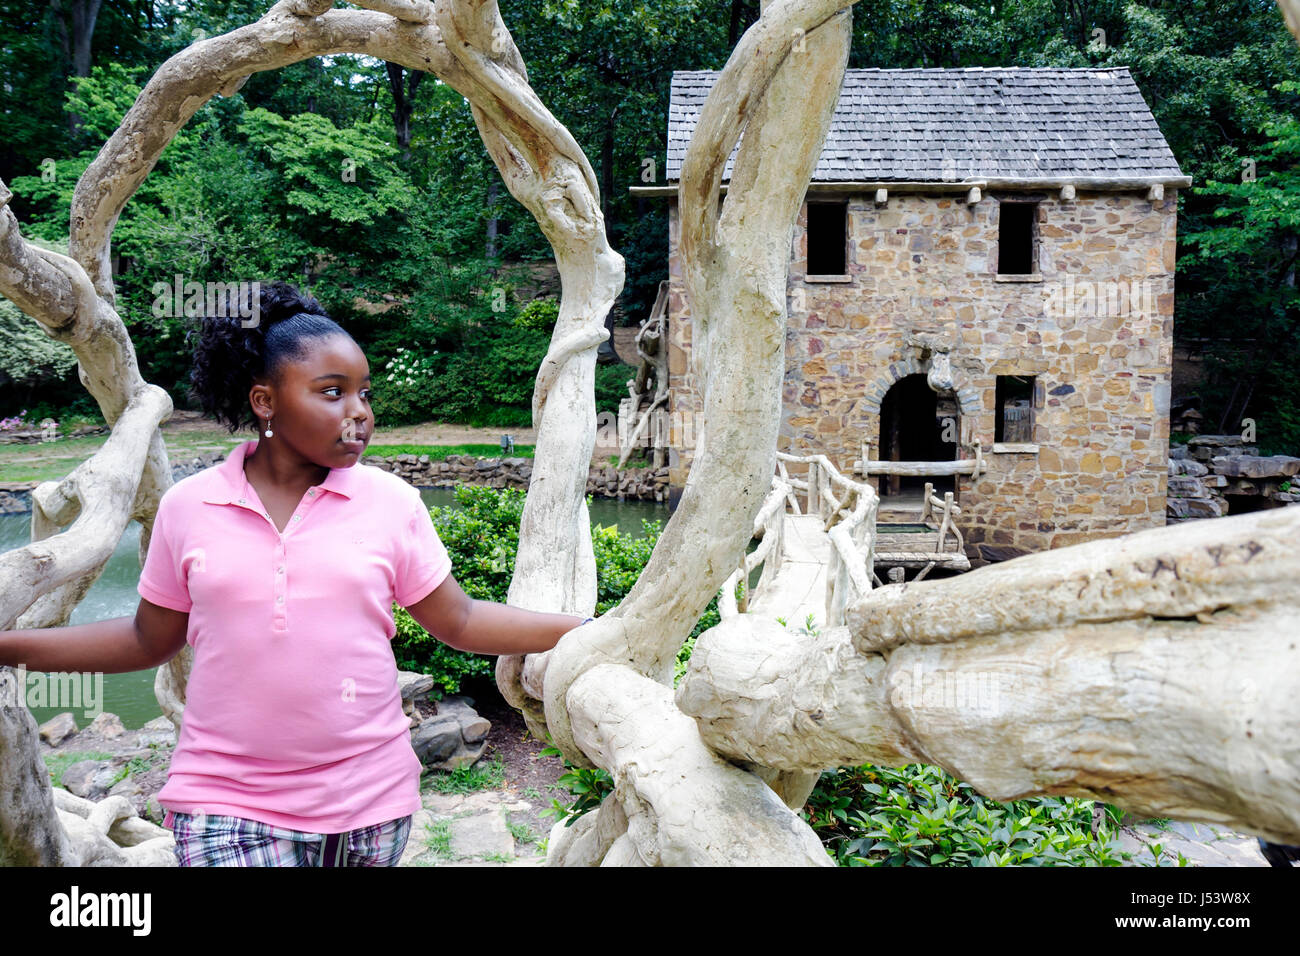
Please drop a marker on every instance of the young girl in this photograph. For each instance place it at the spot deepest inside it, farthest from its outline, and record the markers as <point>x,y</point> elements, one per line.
<point>279,567</point>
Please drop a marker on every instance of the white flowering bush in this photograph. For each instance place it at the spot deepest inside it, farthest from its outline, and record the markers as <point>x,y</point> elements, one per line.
<point>403,390</point>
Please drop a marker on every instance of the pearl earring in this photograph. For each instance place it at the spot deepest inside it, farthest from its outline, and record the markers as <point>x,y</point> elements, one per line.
<point>268,431</point>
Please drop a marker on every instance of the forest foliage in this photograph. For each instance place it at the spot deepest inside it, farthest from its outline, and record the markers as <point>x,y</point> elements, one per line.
<point>374,191</point>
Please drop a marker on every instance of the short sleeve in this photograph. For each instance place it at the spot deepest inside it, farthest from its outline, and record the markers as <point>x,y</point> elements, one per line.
<point>161,580</point>
<point>422,562</point>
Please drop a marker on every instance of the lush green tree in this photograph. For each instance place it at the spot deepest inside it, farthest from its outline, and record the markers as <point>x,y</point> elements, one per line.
<point>254,186</point>
<point>1250,242</point>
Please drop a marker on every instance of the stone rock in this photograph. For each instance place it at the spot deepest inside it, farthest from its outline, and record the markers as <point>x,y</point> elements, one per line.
<point>103,780</point>
<point>1184,486</point>
<point>1216,441</point>
<point>459,705</point>
<point>106,725</point>
<point>1187,466</point>
<point>159,731</point>
<point>993,553</point>
<point>1274,466</point>
<point>473,727</point>
<point>1178,452</point>
<point>482,835</point>
<point>414,686</point>
<point>89,778</point>
<point>1205,453</point>
<point>58,729</point>
<point>126,787</point>
<point>475,730</point>
<point>1197,508</point>
<point>436,739</point>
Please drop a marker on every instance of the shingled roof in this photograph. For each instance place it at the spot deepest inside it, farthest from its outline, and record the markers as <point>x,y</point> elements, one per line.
<point>969,124</point>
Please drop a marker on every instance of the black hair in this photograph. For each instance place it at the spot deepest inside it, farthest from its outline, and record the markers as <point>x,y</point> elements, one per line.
<point>240,344</point>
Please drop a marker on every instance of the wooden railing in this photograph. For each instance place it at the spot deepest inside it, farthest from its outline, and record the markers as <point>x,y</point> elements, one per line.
<point>962,466</point>
<point>849,521</point>
<point>948,510</point>
<point>769,526</point>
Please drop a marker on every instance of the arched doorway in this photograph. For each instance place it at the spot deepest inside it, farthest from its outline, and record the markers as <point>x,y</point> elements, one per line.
<point>917,425</point>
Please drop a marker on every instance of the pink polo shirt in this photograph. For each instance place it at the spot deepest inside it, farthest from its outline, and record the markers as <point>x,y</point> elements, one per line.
<point>293,715</point>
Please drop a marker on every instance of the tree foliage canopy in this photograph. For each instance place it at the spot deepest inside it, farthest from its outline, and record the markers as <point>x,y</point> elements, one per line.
<point>257,185</point>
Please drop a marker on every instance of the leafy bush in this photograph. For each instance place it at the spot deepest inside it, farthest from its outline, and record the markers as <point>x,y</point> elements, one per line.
<point>539,314</point>
<point>404,386</point>
<point>481,535</point>
<point>921,816</point>
<point>611,385</point>
<point>588,786</point>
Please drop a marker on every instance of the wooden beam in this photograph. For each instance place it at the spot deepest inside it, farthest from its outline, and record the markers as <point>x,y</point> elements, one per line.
<point>963,466</point>
<point>973,196</point>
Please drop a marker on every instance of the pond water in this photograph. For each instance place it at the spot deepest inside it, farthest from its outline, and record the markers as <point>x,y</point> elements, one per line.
<point>131,696</point>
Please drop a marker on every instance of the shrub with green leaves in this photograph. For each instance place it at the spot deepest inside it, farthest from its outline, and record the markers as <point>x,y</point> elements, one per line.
<point>481,535</point>
<point>921,816</point>
<point>539,314</point>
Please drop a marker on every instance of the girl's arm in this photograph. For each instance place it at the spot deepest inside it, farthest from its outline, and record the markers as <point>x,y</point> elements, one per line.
<point>115,646</point>
<point>485,627</point>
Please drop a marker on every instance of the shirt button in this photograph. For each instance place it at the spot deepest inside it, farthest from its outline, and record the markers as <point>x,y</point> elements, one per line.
<point>296,517</point>
<point>243,501</point>
<point>279,599</point>
<point>311,493</point>
<point>280,569</point>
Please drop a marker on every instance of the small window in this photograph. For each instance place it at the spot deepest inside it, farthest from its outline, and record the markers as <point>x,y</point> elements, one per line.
<point>1015,416</point>
<point>1016,238</point>
<point>828,237</point>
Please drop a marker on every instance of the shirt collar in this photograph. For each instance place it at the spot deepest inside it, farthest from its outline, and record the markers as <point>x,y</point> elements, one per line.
<point>231,483</point>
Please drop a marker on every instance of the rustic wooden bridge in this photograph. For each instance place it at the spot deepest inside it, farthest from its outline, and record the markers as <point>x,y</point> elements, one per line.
<point>820,556</point>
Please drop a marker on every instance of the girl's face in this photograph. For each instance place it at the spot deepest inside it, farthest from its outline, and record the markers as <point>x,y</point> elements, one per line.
<point>322,403</point>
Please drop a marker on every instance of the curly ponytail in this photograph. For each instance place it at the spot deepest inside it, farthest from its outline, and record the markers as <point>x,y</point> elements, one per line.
<point>230,356</point>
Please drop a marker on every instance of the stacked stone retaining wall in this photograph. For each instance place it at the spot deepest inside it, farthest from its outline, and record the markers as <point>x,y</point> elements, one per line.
<point>638,484</point>
<point>1215,475</point>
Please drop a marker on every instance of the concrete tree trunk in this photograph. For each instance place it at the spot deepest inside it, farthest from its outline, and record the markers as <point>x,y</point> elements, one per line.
<point>1158,672</point>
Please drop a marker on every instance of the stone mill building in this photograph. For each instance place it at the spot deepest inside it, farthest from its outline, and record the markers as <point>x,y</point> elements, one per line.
<point>981,280</point>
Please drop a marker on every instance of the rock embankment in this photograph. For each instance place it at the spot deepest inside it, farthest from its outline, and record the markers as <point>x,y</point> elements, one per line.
<point>638,484</point>
<point>1215,475</point>
<point>644,484</point>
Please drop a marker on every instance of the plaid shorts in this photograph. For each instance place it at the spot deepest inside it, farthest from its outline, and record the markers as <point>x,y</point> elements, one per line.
<point>214,840</point>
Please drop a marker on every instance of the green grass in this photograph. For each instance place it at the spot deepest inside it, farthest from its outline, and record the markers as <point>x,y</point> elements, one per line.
<point>50,461</point>
<point>439,452</point>
<point>57,763</point>
<point>499,858</point>
<point>478,776</point>
<point>522,832</point>
<point>631,463</point>
<point>437,837</point>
